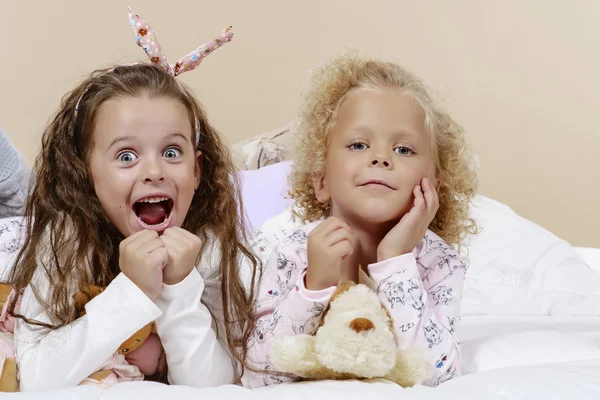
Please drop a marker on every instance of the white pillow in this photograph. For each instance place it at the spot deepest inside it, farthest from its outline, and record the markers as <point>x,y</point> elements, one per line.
<point>519,268</point>
<point>591,256</point>
<point>516,267</point>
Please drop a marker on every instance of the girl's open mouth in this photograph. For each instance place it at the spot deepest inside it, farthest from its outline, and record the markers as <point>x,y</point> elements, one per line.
<point>153,212</point>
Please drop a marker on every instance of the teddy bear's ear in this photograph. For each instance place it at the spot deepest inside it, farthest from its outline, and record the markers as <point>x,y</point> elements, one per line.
<point>341,288</point>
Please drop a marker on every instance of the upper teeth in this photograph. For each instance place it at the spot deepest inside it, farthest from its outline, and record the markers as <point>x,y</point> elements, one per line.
<point>153,200</point>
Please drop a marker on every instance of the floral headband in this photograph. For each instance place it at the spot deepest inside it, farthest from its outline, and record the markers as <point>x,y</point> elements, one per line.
<point>144,35</point>
<point>145,38</point>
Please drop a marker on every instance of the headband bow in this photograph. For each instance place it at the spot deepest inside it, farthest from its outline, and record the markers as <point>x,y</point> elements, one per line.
<point>146,39</point>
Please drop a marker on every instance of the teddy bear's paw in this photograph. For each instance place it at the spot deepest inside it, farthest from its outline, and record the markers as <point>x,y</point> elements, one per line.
<point>295,354</point>
<point>412,368</point>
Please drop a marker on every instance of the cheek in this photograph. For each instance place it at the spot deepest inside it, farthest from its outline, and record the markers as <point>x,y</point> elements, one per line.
<point>345,167</point>
<point>111,185</point>
<point>415,174</point>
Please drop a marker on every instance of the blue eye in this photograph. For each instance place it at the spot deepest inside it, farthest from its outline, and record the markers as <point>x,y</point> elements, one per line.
<point>127,157</point>
<point>172,152</point>
<point>404,151</point>
<point>357,146</point>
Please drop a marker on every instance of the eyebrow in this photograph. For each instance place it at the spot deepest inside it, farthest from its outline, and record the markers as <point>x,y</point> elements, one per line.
<point>126,138</point>
<point>177,134</point>
<point>120,139</point>
<point>397,133</point>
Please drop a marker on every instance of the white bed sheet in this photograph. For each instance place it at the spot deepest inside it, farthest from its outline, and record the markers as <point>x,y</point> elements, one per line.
<point>506,358</point>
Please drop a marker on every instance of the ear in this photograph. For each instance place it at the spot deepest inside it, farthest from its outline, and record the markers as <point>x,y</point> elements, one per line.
<point>321,189</point>
<point>198,169</point>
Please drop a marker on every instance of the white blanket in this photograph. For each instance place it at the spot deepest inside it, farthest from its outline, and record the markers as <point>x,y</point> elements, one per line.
<point>506,358</point>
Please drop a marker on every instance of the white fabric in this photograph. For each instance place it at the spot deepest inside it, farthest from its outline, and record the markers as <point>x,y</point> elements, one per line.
<point>505,358</point>
<point>66,356</point>
<point>590,256</point>
<point>519,268</point>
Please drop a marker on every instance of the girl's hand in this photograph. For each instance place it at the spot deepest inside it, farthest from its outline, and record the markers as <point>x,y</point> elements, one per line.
<point>328,244</point>
<point>142,257</point>
<point>183,248</point>
<point>407,233</point>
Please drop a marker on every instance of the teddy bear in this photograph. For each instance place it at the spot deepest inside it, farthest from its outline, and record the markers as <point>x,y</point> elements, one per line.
<point>125,364</point>
<point>355,340</point>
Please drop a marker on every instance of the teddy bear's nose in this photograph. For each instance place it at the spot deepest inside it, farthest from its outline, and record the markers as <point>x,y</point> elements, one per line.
<point>361,324</point>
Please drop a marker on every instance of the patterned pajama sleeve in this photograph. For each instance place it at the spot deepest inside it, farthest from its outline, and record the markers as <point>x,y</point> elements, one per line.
<point>422,291</point>
<point>284,307</point>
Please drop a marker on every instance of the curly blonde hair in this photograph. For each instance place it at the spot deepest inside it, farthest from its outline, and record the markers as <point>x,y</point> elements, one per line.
<point>331,85</point>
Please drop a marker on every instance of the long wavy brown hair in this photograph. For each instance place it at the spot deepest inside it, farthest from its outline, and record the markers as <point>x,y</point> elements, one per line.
<point>69,238</point>
<point>331,85</point>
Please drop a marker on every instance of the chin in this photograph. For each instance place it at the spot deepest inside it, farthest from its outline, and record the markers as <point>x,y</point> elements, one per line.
<point>373,216</point>
<point>382,218</point>
<point>379,213</point>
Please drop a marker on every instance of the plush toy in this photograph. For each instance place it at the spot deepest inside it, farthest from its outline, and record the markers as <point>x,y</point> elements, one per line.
<point>355,341</point>
<point>119,368</point>
<point>8,366</point>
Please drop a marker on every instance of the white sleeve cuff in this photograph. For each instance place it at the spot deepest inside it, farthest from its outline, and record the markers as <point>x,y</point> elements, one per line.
<point>123,292</point>
<point>322,295</point>
<point>191,282</point>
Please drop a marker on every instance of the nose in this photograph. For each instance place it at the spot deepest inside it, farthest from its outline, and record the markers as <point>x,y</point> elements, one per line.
<point>376,162</point>
<point>153,171</point>
<point>361,324</point>
<point>380,156</point>
<point>380,161</point>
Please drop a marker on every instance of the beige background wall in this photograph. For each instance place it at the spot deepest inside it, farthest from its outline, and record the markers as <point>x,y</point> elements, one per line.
<point>522,76</point>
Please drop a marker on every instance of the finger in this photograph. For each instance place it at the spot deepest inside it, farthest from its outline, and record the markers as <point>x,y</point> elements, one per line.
<point>144,236</point>
<point>337,236</point>
<point>419,200</point>
<point>140,236</point>
<point>427,193</point>
<point>184,236</point>
<point>333,225</point>
<point>181,242</point>
<point>172,244</point>
<point>342,249</point>
<point>431,198</point>
<point>324,227</point>
<point>160,257</point>
<point>150,246</point>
